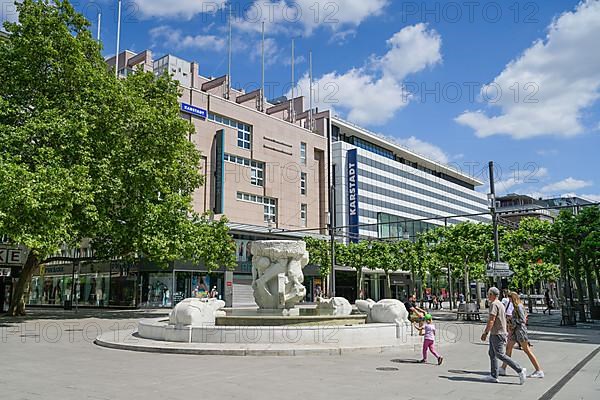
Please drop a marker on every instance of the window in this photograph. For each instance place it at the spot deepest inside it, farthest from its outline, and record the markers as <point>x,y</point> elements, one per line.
<point>257,172</point>
<point>243,139</point>
<point>303,211</point>
<point>303,153</point>
<point>303,183</point>
<point>244,131</point>
<point>269,205</point>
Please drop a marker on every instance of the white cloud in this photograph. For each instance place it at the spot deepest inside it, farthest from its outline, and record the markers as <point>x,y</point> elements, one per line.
<point>547,152</point>
<point>426,149</point>
<point>175,39</point>
<point>305,16</point>
<point>372,94</point>
<point>411,50</point>
<point>569,184</point>
<point>181,9</point>
<point>513,178</point>
<point>560,74</point>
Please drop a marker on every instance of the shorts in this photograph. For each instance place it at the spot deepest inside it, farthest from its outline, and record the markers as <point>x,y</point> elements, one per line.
<point>415,318</point>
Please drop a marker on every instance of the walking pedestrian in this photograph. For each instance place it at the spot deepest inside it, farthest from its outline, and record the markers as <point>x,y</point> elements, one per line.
<point>519,335</point>
<point>496,328</point>
<point>428,331</point>
<point>548,302</point>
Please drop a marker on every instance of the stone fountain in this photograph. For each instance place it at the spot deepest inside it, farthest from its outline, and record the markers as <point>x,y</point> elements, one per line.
<point>278,326</point>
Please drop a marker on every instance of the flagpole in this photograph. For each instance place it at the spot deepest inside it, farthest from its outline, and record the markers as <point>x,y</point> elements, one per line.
<point>99,22</point>
<point>292,116</point>
<point>229,58</point>
<point>262,94</point>
<point>118,40</point>
<point>310,96</point>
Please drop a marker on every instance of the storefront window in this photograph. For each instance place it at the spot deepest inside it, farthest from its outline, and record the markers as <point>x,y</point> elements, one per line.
<point>157,287</point>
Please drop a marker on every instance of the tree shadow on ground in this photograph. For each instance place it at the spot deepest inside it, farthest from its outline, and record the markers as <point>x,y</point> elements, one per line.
<point>39,314</point>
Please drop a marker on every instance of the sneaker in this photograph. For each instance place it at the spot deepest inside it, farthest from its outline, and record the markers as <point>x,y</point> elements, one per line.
<point>422,361</point>
<point>490,379</point>
<point>502,371</point>
<point>537,374</point>
<point>441,360</point>
<point>522,376</point>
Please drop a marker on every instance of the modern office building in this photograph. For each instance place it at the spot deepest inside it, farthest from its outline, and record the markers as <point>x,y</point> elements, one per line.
<point>514,207</point>
<point>386,191</point>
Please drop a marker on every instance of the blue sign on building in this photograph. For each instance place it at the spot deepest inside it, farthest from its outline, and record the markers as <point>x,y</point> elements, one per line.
<point>197,111</point>
<point>352,172</point>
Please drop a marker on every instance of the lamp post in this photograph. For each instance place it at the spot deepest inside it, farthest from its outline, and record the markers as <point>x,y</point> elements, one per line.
<point>492,199</point>
<point>450,298</point>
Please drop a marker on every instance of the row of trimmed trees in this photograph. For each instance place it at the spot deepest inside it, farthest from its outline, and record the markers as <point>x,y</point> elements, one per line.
<point>537,251</point>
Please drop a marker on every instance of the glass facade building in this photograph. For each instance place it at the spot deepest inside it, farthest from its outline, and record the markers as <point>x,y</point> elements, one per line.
<point>396,194</point>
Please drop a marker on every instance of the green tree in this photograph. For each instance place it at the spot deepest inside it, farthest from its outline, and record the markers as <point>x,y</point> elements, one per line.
<point>528,250</point>
<point>319,251</point>
<point>85,155</point>
<point>472,244</point>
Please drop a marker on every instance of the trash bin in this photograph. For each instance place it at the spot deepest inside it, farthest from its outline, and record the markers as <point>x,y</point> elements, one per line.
<point>68,305</point>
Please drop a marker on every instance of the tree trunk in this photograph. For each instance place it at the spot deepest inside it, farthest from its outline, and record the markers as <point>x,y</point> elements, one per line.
<point>17,306</point>
<point>359,284</point>
<point>467,285</point>
<point>597,268</point>
<point>388,285</point>
<point>589,278</point>
<point>580,298</point>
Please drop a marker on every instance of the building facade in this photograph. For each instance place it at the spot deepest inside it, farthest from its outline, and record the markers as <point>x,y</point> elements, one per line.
<point>385,191</point>
<point>264,169</point>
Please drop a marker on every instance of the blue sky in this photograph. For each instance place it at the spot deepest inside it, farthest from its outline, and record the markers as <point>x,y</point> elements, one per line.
<point>516,82</point>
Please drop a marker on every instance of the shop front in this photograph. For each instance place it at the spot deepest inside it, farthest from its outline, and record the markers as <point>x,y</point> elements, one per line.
<point>121,284</point>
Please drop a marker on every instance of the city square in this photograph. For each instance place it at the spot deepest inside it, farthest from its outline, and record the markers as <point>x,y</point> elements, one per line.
<point>81,369</point>
<point>324,199</point>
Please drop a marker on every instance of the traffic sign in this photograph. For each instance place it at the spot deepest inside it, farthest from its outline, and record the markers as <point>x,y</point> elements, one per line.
<point>498,265</point>
<point>499,273</point>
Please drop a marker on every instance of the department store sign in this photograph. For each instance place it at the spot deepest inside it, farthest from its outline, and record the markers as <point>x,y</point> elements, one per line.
<point>12,256</point>
<point>196,111</point>
<point>352,173</point>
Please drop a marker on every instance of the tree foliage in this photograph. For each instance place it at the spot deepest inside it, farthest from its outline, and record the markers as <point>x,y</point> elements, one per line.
<point>85,155</point>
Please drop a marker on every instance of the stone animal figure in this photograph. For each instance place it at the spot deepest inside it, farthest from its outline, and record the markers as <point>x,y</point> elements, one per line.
<point>196,312</point>
<point>384,311</point>
<point>335,305</point>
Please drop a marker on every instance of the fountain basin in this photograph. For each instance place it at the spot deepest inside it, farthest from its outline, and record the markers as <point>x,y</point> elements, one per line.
<point>293,317</point>
<point>334,335</point>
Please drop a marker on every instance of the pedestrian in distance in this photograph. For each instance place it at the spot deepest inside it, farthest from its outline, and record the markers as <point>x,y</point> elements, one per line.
<point>548,302</point>
<point>519,335</point>
<point>428,333</point>
<point>498,337</point>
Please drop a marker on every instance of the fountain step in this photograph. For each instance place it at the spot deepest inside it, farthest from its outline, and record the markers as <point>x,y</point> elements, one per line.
<point>129,340</point>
